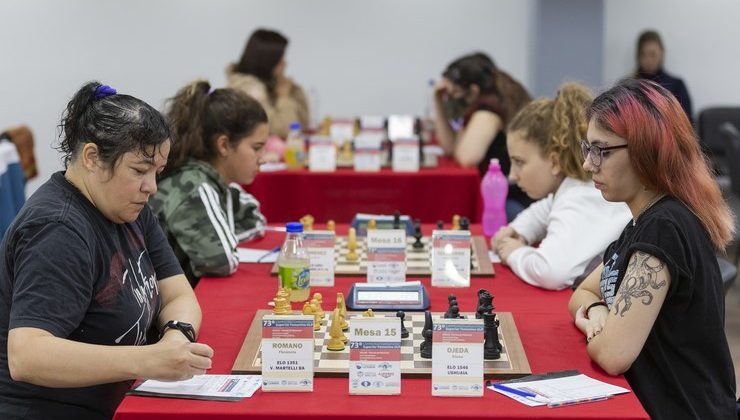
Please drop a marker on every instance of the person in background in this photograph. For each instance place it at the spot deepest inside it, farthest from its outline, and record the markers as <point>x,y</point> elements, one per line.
<point>650,57</point>
<point>85,271</point>
<point>260,72</point>
<point>654,310</point>
<point>218,137</point>
<point>543,141</point>
<point>472,114</point>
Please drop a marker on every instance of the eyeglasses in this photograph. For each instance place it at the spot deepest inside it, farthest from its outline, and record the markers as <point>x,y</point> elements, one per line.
<point>597,152</point>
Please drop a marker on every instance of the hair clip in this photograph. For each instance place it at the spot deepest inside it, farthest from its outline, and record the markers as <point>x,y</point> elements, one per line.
<point>104,90</point>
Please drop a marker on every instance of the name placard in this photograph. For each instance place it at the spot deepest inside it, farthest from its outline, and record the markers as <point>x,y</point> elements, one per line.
<point>386,256</point>
<point>457,357</point>
<point>320,248</point>
<point>287,353</point>
<point>451,258</point>
<point>375,356</point>
<point>367,150</point>
<point>406,155</point>
<point>322,155</point>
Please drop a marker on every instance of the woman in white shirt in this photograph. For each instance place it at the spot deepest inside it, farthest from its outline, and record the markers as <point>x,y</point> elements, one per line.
<point>552,243</point>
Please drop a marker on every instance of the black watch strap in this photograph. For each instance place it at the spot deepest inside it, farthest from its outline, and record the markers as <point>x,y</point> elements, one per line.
<point>185,328</point>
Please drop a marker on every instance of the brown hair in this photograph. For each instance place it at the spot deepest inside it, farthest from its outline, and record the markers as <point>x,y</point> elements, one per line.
<point>558,125</point>
<point>197,116</point>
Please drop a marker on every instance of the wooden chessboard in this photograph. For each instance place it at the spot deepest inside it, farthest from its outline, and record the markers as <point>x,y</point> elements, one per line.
<point>418,261</point>
<point>513,362</point>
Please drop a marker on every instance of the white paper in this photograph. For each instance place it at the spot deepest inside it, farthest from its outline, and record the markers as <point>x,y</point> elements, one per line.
<point>450,258</point>
<point>494,256</point>
<point>205,386</point>
<point>322,157</point>
<point>287,353</point>
<point>559,390</point>
<point>251,255</point>
<point>457,357</point>
<point>273,167</point>
<point>320,249</point>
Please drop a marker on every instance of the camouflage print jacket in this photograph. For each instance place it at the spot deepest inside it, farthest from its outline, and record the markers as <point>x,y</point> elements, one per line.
<point>205,219</point>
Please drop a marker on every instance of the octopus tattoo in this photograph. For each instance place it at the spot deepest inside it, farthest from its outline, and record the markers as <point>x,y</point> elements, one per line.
<point>640,278</point>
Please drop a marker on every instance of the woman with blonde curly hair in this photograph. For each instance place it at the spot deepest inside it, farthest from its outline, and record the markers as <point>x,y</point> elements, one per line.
<point>543,141</point>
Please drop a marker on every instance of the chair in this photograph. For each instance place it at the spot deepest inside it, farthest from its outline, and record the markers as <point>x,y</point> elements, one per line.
<point>731,137</point>
<point>728,271</point>
<point>709,122</point>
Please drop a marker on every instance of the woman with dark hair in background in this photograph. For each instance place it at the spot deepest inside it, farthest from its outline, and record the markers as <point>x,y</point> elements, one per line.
<point>655,309</point>
<point>260,73</point>
<point>85,270</point>
<point>472,114</point>
<point>650,55</point>
<point>218,138</point>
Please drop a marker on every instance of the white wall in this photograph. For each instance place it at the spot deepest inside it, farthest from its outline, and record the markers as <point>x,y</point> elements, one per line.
<point>702,42</point>
<point>357,56</point>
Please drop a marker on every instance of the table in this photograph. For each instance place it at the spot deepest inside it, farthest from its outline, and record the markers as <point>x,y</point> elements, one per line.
<point>430,194</point>
<point>550,340</point>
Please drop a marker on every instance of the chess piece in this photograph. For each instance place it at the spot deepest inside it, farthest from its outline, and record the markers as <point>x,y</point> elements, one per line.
<point>425,348</point>
<point>491,346</point>
<point>404,331</point>
<point>397,220</point>
<point>369,313</point>
<point>347,151</point>
<point>352,245</point>
<point>335,332</point>
<point>282,306</point>
<point>455,311</point>
<point>372,224</point>
<point>464,223</point>
<point>485,303</point>
<point>317,317</point>
<point>307,222</point>
<point>342,311</point>
<point>331,225</point>
<point>451,300</point>
<point>418,245</point>
<point>456,222</point>
<point>440,224</point>
<point>317,297</point>
<point>284,292</point>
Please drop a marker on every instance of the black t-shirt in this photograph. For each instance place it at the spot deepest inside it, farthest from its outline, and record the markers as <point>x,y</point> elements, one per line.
<point>684,370</point>
<point>66,269</point>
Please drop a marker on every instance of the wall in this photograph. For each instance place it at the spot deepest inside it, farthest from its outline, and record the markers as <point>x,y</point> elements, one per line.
<point>354,57</point>
<point>702,41</point>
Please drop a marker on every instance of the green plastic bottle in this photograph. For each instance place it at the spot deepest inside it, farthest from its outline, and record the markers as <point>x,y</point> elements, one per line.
<point>293,264</point>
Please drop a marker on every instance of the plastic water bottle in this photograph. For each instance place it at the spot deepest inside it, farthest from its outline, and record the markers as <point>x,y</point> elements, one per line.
<point>295,148</point>
<point>494,189</point>
<point>293,264</point>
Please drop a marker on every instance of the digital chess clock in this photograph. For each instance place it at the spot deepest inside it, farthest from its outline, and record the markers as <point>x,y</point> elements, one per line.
<point>407,296</point>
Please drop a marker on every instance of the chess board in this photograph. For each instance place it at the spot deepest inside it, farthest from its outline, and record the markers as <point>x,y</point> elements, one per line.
<point>418,261</point>
<point>513,362</point>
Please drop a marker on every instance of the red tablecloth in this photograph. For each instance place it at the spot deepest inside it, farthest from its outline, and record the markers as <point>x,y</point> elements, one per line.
<point>430,194</point>
<point>550,341</point>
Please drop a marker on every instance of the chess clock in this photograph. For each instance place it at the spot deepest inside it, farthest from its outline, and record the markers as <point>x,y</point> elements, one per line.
<point>407,296</point>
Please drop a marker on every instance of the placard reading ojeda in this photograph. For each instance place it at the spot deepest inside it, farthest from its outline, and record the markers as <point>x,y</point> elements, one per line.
<point>287,353</point>
<point>457,357</point>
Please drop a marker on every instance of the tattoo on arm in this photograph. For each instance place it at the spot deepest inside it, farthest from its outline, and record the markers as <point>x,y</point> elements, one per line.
<point>639,280</point>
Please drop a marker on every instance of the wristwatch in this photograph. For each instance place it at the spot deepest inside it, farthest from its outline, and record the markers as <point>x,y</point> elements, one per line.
<point>184,327</point>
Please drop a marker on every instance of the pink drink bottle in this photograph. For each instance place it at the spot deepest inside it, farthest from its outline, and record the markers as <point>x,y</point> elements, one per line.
<point>494,189</point>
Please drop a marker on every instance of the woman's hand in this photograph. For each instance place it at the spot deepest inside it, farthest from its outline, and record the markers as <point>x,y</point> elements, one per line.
<point>592,323</point>
<point>504,232</point>
<point>175,358</point>
<point>508,245</point>
<point>442,87</point>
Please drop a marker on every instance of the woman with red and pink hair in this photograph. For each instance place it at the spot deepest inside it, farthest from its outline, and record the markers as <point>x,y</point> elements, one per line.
<point>654,310</point>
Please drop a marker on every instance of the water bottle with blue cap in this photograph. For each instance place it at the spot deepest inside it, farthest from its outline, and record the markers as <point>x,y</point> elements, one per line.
<point>293,264</point>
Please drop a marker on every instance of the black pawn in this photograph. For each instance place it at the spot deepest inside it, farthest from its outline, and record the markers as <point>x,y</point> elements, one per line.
<point>464,223</point>
<point>491,346</point>
<point>397,220</point>
<point>451,300</point>
<point>440,224</point>
<point>425,349</point>
<point>418,245</point>
<point>404,331</point>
